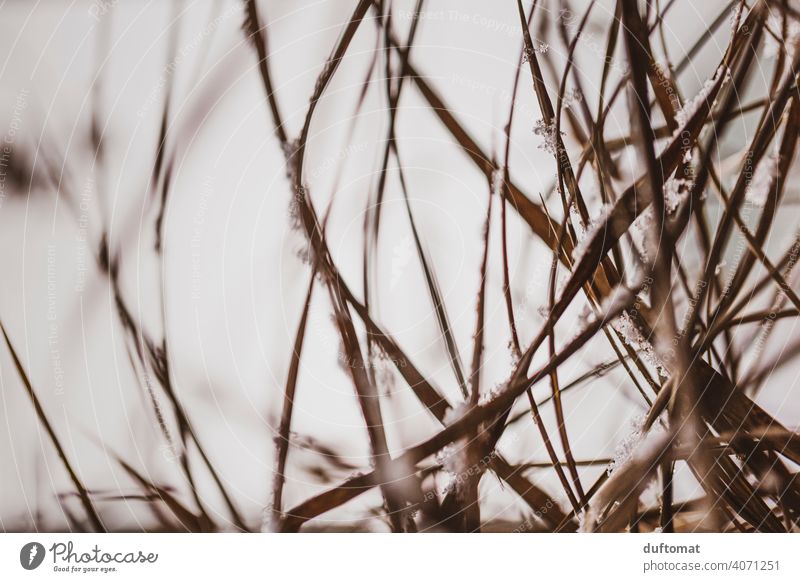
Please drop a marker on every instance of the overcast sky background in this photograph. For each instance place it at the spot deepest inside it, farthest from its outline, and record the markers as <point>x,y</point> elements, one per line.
<point>233,276</point>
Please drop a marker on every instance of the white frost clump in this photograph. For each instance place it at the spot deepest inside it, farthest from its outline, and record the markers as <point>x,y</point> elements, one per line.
<point>684,114</point>
<point>577,220</point>
<point>453,459</point>
<point>630,332</point>
<point>487,397</point>
<point>758,190</point>
<point>548,132</point>
<point>497,182</point>
<point>675,192</point>
<point>595,226</point>
<point>644,225</point>
<point>538,47</point>
<point>628,444</point>
<point>736,17</point>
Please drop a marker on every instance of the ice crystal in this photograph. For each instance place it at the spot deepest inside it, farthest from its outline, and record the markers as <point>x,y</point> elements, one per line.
<point>597,224</point>
<point>736,17</point>
<point>548,133</point>
<point>627,328</point>
<point>763,179</point>
<point>675,192</point>
<point>685,113</point>
<point>453,460</point>
<point>538,47</point>
<point>487,397</point>
<point>577,220</point>
<point>627,445</point>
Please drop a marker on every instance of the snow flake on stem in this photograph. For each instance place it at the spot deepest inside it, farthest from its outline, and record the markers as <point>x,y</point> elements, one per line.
<point>596,225</point>
<point>763,180</point>
<point>627,445</point>
<point>685,113</point>
<point>675,192</point>
<point>549,134</point>
<point>538,47</point>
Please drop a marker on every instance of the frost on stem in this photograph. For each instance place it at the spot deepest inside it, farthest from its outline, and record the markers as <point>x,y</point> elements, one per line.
<point>453,460</point>
<point>597,224</point>
<point>675,192</point>
<point>323,78</point>
<point>643,226</point>
<point>299,191</point>
<point>736,16</point>
<point>548,133</point>
<point>487,397</point>
<point>516,354</point>
<point>760,186</point>
<point>628,444</point>
<point>538,47</point>
<point>296,204</point>
<point>562,278</point>
<point>289,148</point>
<point>685,113</point>
<point>497,182</point>
<point>577,220</point>
<point>630,332</point>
